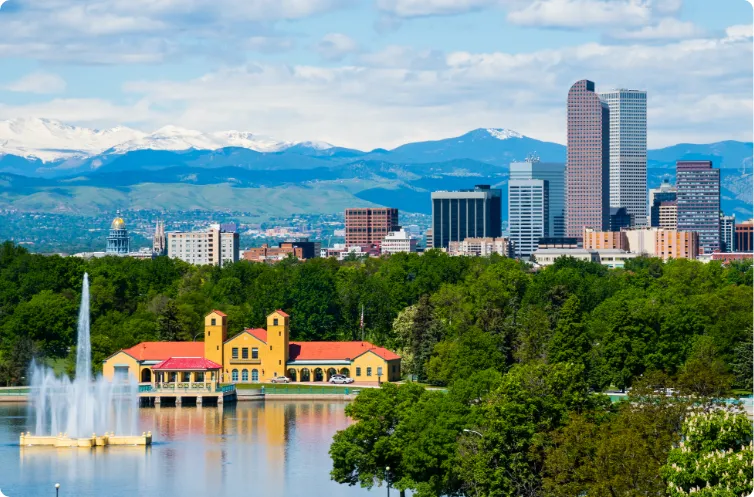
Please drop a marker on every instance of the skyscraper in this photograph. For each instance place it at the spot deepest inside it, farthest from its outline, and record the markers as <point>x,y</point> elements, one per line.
<point>628,151</point>
<point>588,161</point>
<point>554,174</point>
<point>213,246</point>
<point>728,232</point>
<point>118,241</point>
<point>528,216</point>
<point>370,225</point>
<point>457,215</point>
<point>665,193</point>
<point>698,185</point>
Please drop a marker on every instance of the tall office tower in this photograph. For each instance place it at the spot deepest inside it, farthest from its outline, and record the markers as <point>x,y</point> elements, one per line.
<point>698,185</point>
<point>457,215</point>
<point>665,193</point>
<point>745,236</point>
<point>528,216</point>
<point>370,225</point>
<point>619,219</point>
<point>213,246</point>
<point>118,241</point>
<point>588,162</point>
<point>728,232</point>
<point>554,174</point>
<point>159,244</point>
<point>628,151</point>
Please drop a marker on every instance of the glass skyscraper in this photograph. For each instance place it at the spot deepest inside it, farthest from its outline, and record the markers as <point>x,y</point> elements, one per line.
<point>554,174</point>
<point>698,185</point>
<point>528,217</point>
<point>628,151</point>
<point>457,215</point>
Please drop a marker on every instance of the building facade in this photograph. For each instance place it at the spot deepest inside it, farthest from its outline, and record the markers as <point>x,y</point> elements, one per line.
<point>698,185</point>
<point>620,218</point>
<point>601,240</point>
<point>728,233</point>
<point>301,250</point>
<point>588,161</point>
<point>745,236</point>
<point>554,174</point>
<point>398,241</point>
<point>663,243</point>
<point>457,215</point>
<point>528,215</point>
<point>258,355</point>
<point>159,242</point>
<point>482,247</point>
<point>628,151</point>
<point>212,246</point>
<point>118,242</point>
<point>370,225</point>
<point>665,193</point>
<point>668,215</point>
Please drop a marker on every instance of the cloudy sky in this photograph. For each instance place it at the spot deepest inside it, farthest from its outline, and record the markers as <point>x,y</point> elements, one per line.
<point>375,73</point>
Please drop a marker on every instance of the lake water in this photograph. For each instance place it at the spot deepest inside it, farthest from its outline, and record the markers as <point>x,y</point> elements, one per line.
<point>271,449</point>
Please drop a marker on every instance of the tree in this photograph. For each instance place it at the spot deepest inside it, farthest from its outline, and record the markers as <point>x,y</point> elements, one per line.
<point>168,326</point>
<point>704,374</point>
<point>570,341</point>
<point>715,457</point>
<point>742,364</point>
<point>425,333</point>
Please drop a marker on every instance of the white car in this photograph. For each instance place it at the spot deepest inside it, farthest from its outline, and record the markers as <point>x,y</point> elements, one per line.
<point>340,378</point>
<point>280,379</point>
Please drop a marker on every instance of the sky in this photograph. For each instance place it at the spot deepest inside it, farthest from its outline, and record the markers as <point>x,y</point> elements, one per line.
<point>375,73</point>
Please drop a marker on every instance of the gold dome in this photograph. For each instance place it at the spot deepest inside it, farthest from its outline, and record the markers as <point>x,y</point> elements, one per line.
<point>118,224</point>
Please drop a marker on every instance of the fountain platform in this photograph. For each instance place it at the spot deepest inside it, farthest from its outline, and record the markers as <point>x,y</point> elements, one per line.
<point>106,440</point>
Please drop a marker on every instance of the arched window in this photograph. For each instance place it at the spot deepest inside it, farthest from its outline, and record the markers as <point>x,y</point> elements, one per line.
<point>244,375</point>
<point>254,375</point>
<point>234,375</point>
<point>305,374</point>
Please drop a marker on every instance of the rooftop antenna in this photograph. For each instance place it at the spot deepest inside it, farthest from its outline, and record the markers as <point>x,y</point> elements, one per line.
<point>532,157</point>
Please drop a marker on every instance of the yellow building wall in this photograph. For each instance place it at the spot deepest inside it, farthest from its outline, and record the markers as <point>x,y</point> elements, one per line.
<point>277,336</point>
<point>214,336</point>
<point>373,361</point>
<point>121,358</point>
<point>266,365</point>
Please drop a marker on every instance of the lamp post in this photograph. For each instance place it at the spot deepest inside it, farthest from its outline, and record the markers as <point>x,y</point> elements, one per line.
<point>387,477</point>
<point>473,431</point>
<point>197,335</point>
<point>57,489</point>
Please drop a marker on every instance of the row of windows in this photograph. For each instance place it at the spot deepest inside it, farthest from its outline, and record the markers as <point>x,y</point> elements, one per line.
<point>245,353</point>
<point>245,375</point>
<point>369,371</point>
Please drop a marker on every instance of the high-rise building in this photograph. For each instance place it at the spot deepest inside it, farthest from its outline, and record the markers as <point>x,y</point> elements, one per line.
<point>528,216</point>
<point>698,185</point>
<point>213,246</point>
<point>118,241</point>
<point>728,232</point>
<point>370,225</point>
<point>668,215</point>
<point>665,193</point>
<point>628,151</point>
<point>601,240</point>
<point>457,215</point>
<point>620,218</point>
<point>398,241</point>
<point>745,236</point>
<point>662,243</point>
<point>554,174</point>
<point>588,161</point>
<point>159,243</point>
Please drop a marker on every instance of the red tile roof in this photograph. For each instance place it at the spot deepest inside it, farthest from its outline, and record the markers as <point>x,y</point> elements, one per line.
<point>258,333</point>
<point>219,313</point>
<point>186,364</point>
<point>282,313</point>
<point>340,351</point>
<point>159,351</point>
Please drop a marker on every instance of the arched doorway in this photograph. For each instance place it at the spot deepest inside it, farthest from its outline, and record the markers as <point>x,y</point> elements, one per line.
<point>234,376</point>
<point>330,372</point>
<point>345,372</point>
<point>292,374</point>
<point>318,374</point>
<point>245,375</point>
<point>254,375</point>
<point>305,374</point>
<point>146,375</point>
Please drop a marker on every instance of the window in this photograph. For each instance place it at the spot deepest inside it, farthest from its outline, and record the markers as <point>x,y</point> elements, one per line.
<point>245,375</point>
<point>214,322</point>
<point>358,371</point>
<point>280,362</point>
<point>234,353</point>
<point>208,333</point>
<point>254,375</point>
<point>270,347</point>
<point>275,322</point>
<point>244,353</point>
<point>255,353</point>
<point>234,375</point>
<point>394,368</point>
<point>185,377</point>
<point>199,376</point>
<point>379,371</point>
<point>369,371</point>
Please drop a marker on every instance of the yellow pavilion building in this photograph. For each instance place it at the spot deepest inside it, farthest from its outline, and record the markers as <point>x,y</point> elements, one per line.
<point>255,355</point>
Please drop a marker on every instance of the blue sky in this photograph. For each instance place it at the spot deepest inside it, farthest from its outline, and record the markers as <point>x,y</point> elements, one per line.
<point>375,73</point>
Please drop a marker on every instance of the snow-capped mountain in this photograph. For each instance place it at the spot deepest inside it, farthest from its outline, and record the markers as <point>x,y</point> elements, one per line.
<point>50,140</point>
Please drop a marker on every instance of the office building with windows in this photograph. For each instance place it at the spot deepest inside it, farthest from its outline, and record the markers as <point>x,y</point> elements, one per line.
<point>528,216</point>
<point>554,174</point>
<point>728,232</point>
<point>457,215</point>
<point>370,225</point>
<point>665,193</point>
<point>588,161</point>
<point>211,246</point>
<point>698,185</point>
<point>745,236</point>
<point>628,151</point>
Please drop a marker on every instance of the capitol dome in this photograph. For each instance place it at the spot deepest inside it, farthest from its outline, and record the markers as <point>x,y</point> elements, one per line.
<point>118,224</point>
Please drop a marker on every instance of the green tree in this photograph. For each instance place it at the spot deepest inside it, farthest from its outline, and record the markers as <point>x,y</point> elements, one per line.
<point>704,374</point>
<point>742,363</point>
<point>570,341</point>
<point>168,326</point>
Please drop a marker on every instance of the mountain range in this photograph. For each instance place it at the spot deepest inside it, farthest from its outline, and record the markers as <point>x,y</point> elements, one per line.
<point>48,166</point>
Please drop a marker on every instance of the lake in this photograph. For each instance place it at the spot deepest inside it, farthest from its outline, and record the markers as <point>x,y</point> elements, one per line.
<point>271,449</point>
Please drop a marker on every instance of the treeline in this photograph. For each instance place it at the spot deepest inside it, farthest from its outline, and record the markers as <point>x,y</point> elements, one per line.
<point>448,316</point>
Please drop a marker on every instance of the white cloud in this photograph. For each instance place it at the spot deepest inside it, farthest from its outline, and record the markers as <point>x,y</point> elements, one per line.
<point>269,44</point>
<point>335,46</point>
<point>419,8</point>
<point>37,82</point>
<point>668,28</point>
<point>739,32</point>
<point>582,13</point>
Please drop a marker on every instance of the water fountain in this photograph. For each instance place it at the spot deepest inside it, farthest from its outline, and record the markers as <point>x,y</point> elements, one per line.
<point>78,409</point>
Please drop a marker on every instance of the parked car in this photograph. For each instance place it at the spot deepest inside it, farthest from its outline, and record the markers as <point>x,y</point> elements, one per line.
<point>280,379</point>
<point>340,378</point>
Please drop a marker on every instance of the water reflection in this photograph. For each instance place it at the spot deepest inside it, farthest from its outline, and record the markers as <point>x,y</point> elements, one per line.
<point>277,448</point>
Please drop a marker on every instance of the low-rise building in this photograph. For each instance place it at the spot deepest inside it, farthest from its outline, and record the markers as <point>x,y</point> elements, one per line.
<point>745,236</point>
<point>598,240</point>
<point>668,214</point>
<point>398,241</point>
<point>731,256</point>
<point>547,257</point>
<point>671,244</point>
<point>482,247</point>
<point>302,250</point>
<point>212,246</point>
<point>615,258</point>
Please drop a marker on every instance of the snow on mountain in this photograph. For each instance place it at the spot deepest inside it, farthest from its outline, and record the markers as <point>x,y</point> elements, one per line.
<point>50,140</point>
<point>503,134</point>
<point>244,139</point>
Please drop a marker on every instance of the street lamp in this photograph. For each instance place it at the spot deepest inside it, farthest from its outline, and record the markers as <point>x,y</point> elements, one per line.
<point>200,333</point>
<point>473,431</point>
<point>387,477</point>
<point>57,489</point>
